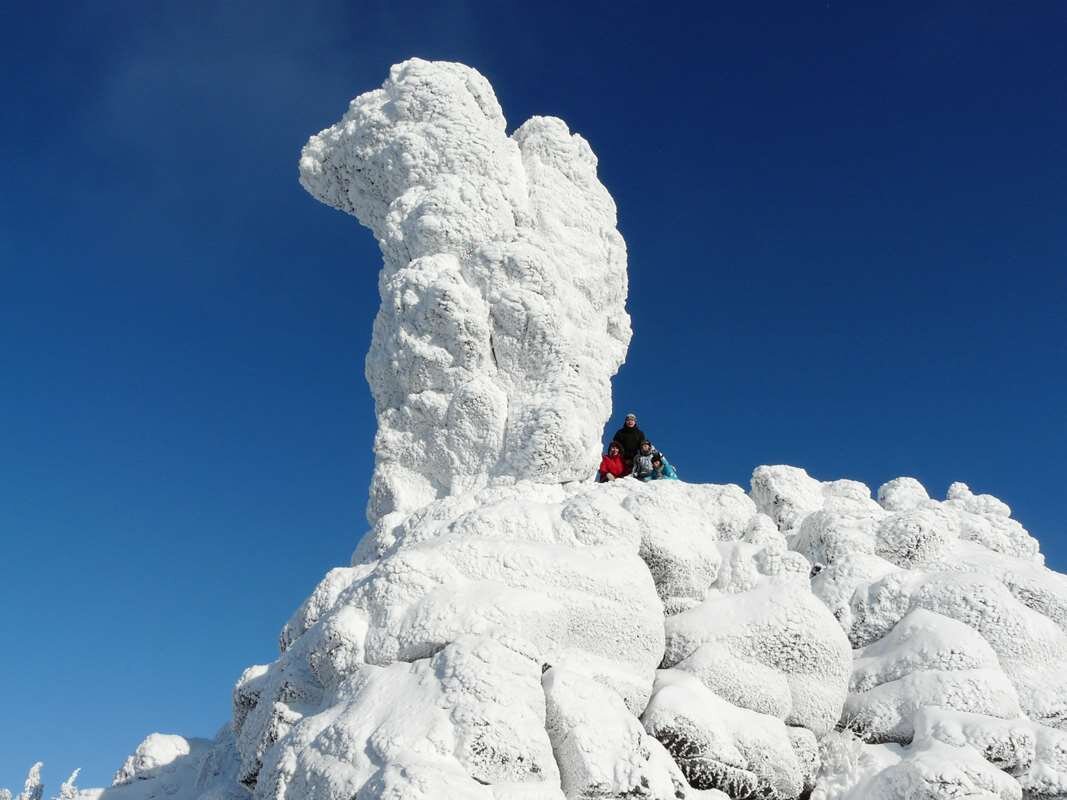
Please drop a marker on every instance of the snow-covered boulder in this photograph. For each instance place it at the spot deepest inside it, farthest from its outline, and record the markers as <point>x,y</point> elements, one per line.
<point>985,505</point>
<point>683,528</point>
<point>521,565</point>
<point>786,495</point>
<point>719,745</point>
<point>953,755</point>
<point>503,286</point>
<point>169,767</point>
<point>601,748</point>
<point>471,716</point>
<point>564,579</point>
<point>953,616</point>
<point>901,494</point>
<point>915,537</point>
<point>157,752</point>
<point>745,647</point>
<point>920,641</point>
<point>1030,647</point>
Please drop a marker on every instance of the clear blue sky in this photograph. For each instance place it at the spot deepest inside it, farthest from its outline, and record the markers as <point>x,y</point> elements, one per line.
<point>847,238</point>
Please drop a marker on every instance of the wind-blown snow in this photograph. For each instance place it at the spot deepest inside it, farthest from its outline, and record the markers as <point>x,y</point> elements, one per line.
<point>508,629</point>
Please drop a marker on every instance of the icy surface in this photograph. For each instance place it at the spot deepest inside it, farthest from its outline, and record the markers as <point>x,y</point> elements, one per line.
<point>509,630</point>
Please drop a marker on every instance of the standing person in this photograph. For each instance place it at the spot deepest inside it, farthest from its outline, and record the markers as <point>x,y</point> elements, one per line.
<point>662,469</point>
<point>629,437</point>
<point>643,469</point>
<point>612,466</point>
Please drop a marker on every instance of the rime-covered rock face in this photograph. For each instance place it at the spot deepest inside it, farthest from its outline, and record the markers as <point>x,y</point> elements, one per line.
<point>959,632</point>
<point>530,614</point>
<point>510,630</point>
<point>663,641</point>
<point>503,287</point>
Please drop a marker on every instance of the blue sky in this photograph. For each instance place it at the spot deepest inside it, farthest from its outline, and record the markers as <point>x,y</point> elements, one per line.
<point>846,226</point>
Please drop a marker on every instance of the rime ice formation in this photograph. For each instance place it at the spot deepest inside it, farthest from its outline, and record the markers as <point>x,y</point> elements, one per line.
<point>959,672</point>
<point>508,624</point>
<point>509,630</point>
<point>503,286</point>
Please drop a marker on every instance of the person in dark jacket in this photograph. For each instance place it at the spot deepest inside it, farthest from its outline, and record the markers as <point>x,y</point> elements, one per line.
<point>612,466</point>
<point>629,437</point>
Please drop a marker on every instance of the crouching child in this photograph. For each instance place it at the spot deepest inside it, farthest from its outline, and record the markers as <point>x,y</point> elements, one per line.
<point>661,469</point>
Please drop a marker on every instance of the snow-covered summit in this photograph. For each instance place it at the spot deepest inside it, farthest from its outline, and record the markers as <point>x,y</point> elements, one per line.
<point>510,630</point>
<point>663,640</point>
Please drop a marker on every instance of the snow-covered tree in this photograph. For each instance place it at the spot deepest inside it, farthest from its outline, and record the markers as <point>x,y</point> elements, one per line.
<point>68,791</point>
<point>33,788</point>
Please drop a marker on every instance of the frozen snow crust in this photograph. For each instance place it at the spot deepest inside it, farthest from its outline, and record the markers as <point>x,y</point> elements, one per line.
<point>509,630</point>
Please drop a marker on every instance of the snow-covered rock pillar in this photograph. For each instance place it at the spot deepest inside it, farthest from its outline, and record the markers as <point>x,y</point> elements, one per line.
<point>503,289</point>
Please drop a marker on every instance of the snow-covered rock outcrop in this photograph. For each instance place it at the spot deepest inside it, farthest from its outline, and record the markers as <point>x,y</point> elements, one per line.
<point>509,630</point>
<point>495,632</point>
<point>503,286</point>
<point>959,632</point>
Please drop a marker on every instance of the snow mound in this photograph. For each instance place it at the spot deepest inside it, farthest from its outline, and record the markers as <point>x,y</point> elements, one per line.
<point>503,285</point>
<point>509,630</point>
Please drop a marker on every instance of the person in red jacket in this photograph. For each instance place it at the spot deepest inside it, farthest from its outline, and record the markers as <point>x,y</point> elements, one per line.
<point>612,465</point>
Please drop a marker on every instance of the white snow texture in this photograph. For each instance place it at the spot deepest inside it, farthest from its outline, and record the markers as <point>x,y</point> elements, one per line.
<point>510,630</point>
<point>503,287</point>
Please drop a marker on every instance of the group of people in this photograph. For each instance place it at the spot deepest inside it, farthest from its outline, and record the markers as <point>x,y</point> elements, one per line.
<point>631,454</point>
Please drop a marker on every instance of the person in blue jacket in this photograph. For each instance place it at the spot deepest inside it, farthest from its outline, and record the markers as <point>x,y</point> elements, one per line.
<point>661,469</point>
